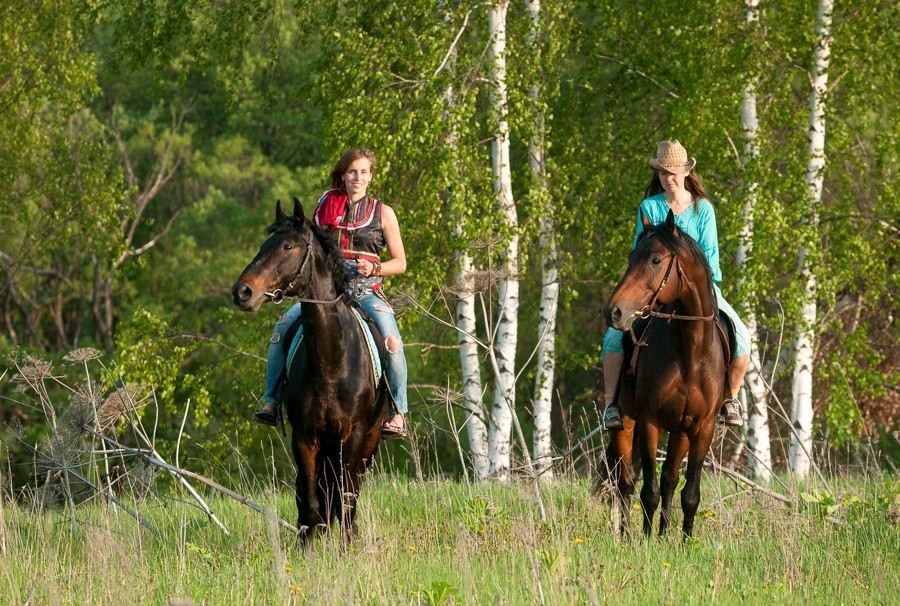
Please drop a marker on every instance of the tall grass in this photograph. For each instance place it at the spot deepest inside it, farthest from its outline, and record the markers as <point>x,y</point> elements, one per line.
<point>432,542</point>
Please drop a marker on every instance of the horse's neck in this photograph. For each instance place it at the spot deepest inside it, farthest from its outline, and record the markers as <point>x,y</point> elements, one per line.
<point>696,302</point>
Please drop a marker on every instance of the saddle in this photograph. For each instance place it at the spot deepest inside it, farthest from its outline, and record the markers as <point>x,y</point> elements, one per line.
<point>378,353</point>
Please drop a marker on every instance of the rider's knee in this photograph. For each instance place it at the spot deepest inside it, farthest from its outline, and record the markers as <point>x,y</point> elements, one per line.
<point>393,344</point>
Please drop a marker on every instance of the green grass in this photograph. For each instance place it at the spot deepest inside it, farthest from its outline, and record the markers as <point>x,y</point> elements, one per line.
<point>432,543</point>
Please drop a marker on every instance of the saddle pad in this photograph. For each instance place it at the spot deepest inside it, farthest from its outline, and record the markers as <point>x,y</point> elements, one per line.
<point>376,360</point>
<point>295,337</point>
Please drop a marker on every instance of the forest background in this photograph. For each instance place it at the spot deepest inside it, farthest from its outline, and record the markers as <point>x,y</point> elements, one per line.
<point>144,145</point>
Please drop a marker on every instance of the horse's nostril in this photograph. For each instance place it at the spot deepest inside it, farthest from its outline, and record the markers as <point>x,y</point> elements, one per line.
<point>616,314</point>
<point>241,292</point>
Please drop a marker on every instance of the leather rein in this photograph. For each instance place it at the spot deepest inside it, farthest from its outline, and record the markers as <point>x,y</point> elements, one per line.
<point>278,296</point>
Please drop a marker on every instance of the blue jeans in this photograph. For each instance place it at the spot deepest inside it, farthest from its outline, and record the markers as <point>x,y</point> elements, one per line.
<point>612,340</point>
<point>381,312</point>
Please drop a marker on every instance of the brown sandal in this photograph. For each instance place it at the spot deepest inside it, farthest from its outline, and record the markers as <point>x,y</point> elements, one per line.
<point>391,431</point>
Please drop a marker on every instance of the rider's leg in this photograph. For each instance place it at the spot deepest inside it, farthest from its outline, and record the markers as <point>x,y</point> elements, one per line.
<point>397,374</point>
<point>731,407</point>
<point>275,362</point>
<point>613,358</point>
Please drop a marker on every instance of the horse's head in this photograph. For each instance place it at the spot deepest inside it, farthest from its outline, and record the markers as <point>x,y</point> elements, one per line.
<point>662,265</point>
<point>285,263</point>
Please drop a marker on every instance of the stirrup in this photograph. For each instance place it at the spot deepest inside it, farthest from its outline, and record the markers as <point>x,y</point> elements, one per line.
<point>265,417</point>
<point>731,413</point>
<point>390,431</point>
<point>612,418</point>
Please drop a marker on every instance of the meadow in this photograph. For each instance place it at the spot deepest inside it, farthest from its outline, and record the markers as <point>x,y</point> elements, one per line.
<point>444,541</point>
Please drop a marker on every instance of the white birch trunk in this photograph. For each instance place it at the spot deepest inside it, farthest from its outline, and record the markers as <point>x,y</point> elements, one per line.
<point>546,347</point>
<point>469,363</point>
<point>801,387</point>
<point>759,453</point>
<point>507,320</point>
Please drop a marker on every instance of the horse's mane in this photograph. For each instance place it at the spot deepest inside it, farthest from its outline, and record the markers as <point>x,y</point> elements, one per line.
<point>683,245</point>
<point>333,262</point>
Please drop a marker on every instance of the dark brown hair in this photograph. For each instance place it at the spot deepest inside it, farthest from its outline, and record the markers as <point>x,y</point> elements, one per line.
<point>692,183</point>
<point>347,158</point>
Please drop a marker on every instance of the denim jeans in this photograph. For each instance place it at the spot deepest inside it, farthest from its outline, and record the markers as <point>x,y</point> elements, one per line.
<point>383,315</point>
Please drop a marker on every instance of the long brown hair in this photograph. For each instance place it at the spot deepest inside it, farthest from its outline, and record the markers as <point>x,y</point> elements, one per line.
<point>692,183</point>
<point>347,158</point>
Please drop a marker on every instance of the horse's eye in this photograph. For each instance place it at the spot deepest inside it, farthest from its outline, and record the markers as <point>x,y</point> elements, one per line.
<point>288,246</point>
<point>655,260</point>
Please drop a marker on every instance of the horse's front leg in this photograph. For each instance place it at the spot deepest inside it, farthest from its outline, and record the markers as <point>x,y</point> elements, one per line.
<point>690,494</point>
<point>305,491</point>
<point>677,448</point>
<point>648,438</point>
<point>622,471</point>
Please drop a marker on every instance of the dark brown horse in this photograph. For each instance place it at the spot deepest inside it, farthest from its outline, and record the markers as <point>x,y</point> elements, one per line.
<point>331,398</point>
<point>679,373</point>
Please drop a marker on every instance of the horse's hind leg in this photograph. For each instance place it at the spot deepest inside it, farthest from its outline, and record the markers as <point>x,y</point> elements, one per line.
<point>690,494</point>
<point>647,441</point>
<point>677,448</point>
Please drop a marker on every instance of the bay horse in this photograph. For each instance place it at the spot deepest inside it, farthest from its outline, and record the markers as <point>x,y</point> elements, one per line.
<point>332,402</point>
<point>679,371</point>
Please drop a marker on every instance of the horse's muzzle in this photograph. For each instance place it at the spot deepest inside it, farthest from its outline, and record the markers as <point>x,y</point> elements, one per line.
<point>244,296</point>
<point>617,318</point>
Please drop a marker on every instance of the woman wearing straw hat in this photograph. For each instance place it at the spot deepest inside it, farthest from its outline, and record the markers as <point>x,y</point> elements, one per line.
<point>676,186</point>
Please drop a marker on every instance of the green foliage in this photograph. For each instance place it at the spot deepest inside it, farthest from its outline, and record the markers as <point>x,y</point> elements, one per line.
<point>273,92</point>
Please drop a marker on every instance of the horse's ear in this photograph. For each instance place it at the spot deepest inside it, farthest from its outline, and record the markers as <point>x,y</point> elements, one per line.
<point>298,209</point>
<point>670,223</point>
<point>645,220</point>
<point>279,212</point>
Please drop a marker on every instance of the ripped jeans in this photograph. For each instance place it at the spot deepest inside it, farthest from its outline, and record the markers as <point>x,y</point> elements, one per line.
<point>381,312</point>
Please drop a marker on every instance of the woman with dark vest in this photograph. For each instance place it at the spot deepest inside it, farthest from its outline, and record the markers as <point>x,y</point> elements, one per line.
<point>363,228</point>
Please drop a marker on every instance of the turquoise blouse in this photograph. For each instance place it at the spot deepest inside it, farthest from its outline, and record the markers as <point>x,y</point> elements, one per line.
<point>698,224</point>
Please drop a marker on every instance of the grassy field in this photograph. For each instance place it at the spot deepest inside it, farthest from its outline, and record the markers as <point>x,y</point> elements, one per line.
<point>435,542</point>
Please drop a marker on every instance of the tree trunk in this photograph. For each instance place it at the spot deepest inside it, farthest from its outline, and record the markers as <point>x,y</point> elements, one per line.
<point>507,320</point>
<point>759,454</point>
<point>546,344</point>
<point>469,362</point>
<point>801,386</point>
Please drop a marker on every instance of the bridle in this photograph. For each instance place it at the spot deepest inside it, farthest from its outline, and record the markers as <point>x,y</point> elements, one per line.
<point>277,296</point>
<point>648,310</point>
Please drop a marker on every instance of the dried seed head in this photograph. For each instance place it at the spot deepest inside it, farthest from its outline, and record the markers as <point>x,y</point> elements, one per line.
<point>32,370</point>
<point>121,402</point>
<point>441,395</point>
<point>82,354</point>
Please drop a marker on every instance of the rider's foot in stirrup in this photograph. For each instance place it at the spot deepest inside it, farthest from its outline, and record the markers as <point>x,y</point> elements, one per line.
<point>731,413</point>
<point>612,418</point>
<point>267,415</point>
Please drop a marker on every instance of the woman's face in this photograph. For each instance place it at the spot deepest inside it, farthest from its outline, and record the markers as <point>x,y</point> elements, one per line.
<point>671,183</point>
<point>357,178</point>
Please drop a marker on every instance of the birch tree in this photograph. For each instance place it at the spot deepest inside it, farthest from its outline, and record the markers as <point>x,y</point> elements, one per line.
<point>466,324</point>
<point>801,385</point>
<point>506,327</point>
<point>549,297</point>
<point>759,455</point>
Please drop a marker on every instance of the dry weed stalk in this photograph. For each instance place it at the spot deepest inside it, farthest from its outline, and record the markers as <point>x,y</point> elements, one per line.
<point>88,427</point>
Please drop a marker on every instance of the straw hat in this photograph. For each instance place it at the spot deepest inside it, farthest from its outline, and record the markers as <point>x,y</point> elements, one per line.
<point>672,158</point>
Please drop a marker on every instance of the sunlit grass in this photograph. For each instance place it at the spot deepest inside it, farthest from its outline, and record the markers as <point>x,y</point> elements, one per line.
<point>433,543</point>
